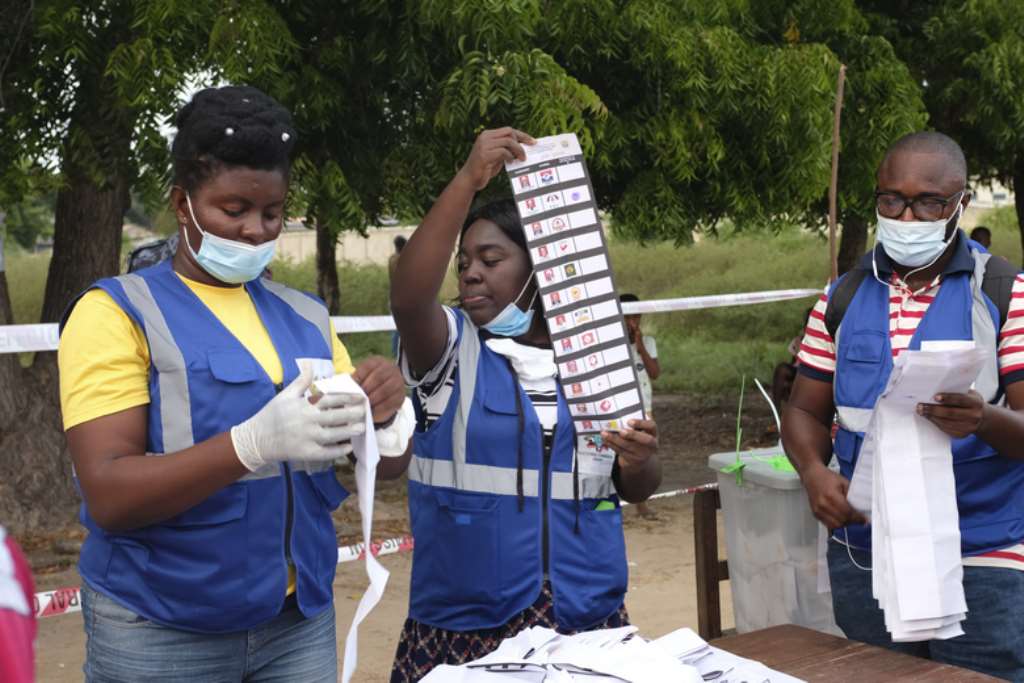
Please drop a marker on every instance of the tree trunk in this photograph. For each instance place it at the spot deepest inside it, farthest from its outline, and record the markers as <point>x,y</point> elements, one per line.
<point>853,242</point>
<point>36,486</point>
<point>87,238</point>
<point>10,369</point>
<point>1018,194</point>
<point>327,268</point>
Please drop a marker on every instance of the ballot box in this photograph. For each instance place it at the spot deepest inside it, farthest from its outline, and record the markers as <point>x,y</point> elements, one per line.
<point>772,543</point>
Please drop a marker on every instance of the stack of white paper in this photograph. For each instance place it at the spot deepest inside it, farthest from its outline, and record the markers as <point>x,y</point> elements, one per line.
<point>541,655</point>
<point>715,664</point>
<point>904,483</point>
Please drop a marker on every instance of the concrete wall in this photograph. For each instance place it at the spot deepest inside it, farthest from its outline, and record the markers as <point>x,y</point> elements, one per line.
<point>299,244</point>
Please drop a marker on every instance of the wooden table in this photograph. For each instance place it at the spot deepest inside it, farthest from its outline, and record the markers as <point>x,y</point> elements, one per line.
<point>815,656</point>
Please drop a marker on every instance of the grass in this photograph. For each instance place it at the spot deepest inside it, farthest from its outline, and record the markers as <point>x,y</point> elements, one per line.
<point>704,352</point>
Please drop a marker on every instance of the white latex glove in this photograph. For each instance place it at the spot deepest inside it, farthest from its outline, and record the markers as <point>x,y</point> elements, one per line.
<point>393,439</point>
<point>289,427</point>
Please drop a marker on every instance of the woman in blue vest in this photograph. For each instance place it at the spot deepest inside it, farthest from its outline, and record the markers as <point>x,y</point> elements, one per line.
<point>510,532</point>
<point>206,472</point>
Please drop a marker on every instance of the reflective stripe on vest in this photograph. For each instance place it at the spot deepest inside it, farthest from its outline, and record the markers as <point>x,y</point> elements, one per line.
<point>502,480</point>
<point>304,307</point>
<point>985,336</point>
<point>166,357</point>
<point>457,474</point>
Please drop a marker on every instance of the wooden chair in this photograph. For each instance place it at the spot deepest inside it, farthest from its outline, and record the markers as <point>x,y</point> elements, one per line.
<point>710,569</point>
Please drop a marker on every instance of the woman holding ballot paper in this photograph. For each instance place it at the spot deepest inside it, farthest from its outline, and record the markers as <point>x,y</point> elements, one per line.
<point>510,533</point>
<point>205,467</point>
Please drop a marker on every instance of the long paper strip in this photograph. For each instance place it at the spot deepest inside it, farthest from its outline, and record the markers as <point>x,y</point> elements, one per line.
<point>367,457</point>
<point>556,206</point>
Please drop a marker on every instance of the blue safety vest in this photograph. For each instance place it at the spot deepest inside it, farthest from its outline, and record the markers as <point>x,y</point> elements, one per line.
<point>989,487</point>
<point>222,565</point>
<point>478,553</point>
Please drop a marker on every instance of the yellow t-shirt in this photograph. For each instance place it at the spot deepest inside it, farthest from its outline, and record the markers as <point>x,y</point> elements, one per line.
<point>104,358</point>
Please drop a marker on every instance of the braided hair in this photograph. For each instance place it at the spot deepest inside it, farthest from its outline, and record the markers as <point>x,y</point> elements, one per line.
<point>230,126</point>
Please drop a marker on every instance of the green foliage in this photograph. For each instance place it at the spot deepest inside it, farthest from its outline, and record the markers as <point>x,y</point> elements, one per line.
<point>970,53</point>
<point>1005,233</point>
<point>976,77</point>
<point>30,220</point>
<point>26,280</point>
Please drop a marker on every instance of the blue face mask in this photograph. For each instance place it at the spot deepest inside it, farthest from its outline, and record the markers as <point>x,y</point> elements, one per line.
<point>227,260</point>
<point>513,321</point>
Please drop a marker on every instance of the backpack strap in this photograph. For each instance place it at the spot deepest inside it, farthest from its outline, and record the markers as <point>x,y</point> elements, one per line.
<point>997,284</point>
<point>840,297</point>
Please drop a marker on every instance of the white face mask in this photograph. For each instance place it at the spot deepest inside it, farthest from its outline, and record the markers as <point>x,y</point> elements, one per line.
<point>916,244</point>
<point>529,362</point>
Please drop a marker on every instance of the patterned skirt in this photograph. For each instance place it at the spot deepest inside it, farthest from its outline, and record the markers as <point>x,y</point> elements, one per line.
<point>423,647</point>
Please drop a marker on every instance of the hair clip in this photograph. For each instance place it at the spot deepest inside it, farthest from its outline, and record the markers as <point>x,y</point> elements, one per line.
<point>284,137</point>
<point>229,131</point>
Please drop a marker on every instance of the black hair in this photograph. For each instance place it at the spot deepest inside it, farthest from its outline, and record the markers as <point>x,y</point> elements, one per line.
<point>932,142</point>
<point>400,243</point>
<point>628,297</point>
<point>230,126</point>
<point>979,231</point>
<point>501,212</point>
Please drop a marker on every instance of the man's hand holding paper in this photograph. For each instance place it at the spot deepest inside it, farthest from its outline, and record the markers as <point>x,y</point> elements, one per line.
<point>956,414</point>
<point>826,492</point>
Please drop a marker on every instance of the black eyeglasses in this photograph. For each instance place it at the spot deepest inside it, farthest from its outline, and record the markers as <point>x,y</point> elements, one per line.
<point>892,205</point>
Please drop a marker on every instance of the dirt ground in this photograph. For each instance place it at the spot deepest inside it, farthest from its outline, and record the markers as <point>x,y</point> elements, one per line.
<point>662,595</point>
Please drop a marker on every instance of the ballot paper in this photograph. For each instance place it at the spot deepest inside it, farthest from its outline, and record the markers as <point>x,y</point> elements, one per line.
<point>542,654</point>
<point>715,664</point>
<point>904,484</point>
<point>558,212</point>
<point>365,449</point>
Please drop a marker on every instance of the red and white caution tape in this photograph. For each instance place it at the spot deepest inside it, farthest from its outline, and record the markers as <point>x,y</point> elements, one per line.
<point>68,600</point>
<point>43,337</point>
<point>60,601</point>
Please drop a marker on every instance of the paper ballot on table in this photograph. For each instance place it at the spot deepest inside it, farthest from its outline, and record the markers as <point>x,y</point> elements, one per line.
<point>365,448</point>
<point>904,484</point>
<point>544,655</point>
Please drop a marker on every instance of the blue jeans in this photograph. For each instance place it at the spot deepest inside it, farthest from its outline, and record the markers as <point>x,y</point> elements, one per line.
<point>121,646</point>
<point>993,640</point>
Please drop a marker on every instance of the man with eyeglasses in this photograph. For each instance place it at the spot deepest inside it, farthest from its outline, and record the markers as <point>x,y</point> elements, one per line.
<point>924,280</point>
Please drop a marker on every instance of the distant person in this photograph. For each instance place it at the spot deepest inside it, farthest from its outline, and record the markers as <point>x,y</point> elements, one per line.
<point>785,372</point>
<point>153,253</point>
<point>982,236</point>
<point>393,260</point>
<point>645,359</point>
<point>17,622</point>
<point>392,264</point>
